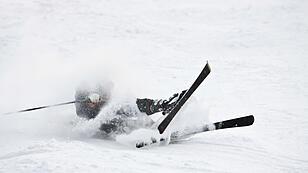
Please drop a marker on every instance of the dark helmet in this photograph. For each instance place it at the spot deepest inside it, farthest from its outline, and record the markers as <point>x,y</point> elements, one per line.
<point>92,98</point>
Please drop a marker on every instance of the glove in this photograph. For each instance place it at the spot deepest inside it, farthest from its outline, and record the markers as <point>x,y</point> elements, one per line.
<point>94,97</point>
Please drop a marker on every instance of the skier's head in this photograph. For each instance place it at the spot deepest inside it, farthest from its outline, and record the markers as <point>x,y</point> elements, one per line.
<point>91,98</point>
<point>94,92</point>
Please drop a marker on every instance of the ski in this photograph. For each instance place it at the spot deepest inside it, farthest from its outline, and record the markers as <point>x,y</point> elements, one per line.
<point>178,135</point>
<point>204,73</point>
<point>237,122</point>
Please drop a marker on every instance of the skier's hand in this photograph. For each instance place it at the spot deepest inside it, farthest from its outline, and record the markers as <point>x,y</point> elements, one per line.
<point>94,97</point>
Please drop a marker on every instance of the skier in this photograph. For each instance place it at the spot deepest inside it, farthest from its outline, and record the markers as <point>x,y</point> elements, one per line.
<point>92,101</point>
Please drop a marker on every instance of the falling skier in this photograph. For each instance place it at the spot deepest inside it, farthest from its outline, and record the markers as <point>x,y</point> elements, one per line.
<point>91,101</point>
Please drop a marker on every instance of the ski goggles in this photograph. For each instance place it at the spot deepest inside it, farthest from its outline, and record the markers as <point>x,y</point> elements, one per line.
<point>91,104</point>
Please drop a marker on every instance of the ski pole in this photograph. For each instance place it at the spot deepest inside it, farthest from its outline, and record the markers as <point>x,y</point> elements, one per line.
<point>41,107</point>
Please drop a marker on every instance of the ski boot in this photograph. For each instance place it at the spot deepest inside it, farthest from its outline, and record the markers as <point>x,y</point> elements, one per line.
<point>150,106</point>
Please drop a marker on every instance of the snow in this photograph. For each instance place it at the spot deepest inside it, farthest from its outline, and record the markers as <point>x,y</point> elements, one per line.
<point>153,48</point>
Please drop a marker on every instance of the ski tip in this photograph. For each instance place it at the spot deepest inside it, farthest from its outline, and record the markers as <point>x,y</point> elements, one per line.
<point>207,67</point>
<point>248,120</point>
<point>252,119</point>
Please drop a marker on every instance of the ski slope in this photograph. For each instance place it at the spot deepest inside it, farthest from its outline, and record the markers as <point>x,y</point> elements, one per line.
<point>153,48</point>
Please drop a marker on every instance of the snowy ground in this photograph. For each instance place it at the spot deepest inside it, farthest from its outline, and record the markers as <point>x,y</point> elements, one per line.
<point>258,51</point>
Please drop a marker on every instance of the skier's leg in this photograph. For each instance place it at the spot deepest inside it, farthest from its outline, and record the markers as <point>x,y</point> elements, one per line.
<point>112,126</point>
<point>150,106</point>
<point>126,119</point>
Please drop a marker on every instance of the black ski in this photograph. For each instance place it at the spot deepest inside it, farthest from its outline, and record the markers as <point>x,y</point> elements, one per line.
<point>178,135</point>
<point>164,124</point>
<point>237,122</point>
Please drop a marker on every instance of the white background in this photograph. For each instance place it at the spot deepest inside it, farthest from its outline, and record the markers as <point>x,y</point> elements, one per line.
<point>153,48</point>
